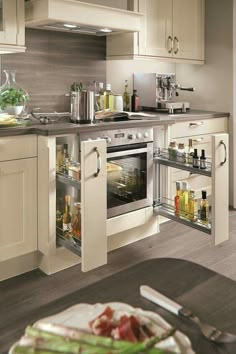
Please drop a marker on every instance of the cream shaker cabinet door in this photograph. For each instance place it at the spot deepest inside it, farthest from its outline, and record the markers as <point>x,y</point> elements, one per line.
<point>156,37</point>
<point>188,29</point>
<point>18,207</point>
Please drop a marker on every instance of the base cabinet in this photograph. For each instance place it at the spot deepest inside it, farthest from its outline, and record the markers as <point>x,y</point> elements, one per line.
<point>18,207</point>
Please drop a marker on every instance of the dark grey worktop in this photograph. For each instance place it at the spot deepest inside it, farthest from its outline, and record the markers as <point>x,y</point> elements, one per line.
<point>153,119</point>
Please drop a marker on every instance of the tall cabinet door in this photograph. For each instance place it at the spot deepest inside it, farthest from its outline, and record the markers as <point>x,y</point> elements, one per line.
<point>18,207</point>
<point>156,37</point>
<point>188,29</point>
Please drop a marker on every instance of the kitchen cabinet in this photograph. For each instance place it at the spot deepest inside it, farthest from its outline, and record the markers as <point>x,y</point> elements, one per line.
<point>18,191</point>
<point>12,26</point>
<point>172,29</point>
<point>59,251</point>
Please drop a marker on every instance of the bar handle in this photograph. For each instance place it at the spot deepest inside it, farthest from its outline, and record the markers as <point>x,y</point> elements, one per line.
<point>99,162</point>
<point>176,41</point>
<point>225,159</point>
<point>170,47</point>
<point>196,124</point>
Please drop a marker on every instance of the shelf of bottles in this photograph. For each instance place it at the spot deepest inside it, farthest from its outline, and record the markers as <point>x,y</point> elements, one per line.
<point>166,207</point>
<point>68,207</point>
<point>183,162</point>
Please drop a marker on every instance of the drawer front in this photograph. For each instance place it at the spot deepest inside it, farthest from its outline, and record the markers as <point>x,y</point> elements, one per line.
<point>198,127</point>
<point>18,147</point>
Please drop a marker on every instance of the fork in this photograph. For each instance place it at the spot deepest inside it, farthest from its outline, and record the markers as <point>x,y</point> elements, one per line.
<point>207,330</point>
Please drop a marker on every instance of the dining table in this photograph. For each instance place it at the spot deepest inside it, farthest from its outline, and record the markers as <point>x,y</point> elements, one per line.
<point>211,296</point>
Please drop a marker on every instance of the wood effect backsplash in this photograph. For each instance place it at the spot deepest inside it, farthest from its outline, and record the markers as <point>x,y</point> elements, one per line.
<point>52,61</point>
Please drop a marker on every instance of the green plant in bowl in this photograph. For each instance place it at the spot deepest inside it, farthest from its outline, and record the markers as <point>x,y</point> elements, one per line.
<point>13,100</point>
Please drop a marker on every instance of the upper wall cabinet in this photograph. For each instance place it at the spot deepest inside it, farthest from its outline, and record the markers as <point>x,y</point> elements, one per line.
<point>12,26</point>
<point>171,29</point>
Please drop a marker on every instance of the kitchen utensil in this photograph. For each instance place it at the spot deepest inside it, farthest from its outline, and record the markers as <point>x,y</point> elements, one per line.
<point>82,106</point>
<point>207,330</point>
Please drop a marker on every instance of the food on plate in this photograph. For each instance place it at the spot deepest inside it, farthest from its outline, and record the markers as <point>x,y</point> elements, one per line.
<point>49,338</point>
<point>125,327</point>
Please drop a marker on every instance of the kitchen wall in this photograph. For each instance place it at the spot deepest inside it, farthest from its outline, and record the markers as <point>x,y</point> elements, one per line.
<point>52,61</point>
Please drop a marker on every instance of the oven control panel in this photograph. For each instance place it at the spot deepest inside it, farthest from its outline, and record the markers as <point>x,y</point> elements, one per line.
<point>118,137</point>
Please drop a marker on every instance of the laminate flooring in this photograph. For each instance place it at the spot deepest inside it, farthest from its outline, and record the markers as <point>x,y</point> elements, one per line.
<point>23,296</point>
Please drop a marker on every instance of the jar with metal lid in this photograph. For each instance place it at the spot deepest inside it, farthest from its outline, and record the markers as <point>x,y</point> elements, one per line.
<point>74,170</point>
<point>76,221</point>
<point>181,153</point>
<point>172,151</point>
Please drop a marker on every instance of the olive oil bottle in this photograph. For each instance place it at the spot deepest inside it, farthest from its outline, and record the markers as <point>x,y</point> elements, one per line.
<point>177,197</point>
<point>192,206</point>
<point>204,209</point>
<point>66,221</point>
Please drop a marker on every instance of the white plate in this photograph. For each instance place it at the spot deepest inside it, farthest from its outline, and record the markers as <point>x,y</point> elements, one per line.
<point>78,316</point>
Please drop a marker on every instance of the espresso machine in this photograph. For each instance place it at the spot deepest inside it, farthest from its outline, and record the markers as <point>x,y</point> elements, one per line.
<point>160,92</point>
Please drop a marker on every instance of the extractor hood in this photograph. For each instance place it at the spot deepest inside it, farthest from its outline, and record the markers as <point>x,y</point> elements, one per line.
<point>80,17</point>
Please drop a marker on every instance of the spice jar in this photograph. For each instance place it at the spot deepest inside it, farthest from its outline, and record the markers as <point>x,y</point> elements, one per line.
<point>76,221</point>
<point>172,151</point>
<point>181,154</point>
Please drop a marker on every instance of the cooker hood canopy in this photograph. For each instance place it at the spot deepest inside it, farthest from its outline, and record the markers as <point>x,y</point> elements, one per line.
<point>80,17</point>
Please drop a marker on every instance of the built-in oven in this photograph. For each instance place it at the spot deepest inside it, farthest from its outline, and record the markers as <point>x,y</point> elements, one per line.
<point>129,168</point>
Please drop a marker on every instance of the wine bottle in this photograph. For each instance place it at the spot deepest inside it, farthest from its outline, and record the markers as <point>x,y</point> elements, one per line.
<point>66,221</point>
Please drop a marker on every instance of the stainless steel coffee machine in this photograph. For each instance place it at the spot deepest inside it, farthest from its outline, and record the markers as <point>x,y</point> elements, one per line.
<point>159,92</point>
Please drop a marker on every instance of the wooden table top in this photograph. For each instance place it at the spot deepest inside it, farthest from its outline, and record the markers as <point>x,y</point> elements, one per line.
<point>209,295</point>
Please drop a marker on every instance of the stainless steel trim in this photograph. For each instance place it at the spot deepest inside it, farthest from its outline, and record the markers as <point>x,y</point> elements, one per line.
<point>126,152</point>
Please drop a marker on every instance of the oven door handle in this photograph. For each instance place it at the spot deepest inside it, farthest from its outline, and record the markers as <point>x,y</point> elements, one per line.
<point>127,152</point>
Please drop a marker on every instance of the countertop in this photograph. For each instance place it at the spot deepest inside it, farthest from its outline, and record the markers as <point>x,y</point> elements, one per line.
<point>146,120</point>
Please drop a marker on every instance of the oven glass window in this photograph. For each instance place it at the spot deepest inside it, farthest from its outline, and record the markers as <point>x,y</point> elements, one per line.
<point>126,179</point>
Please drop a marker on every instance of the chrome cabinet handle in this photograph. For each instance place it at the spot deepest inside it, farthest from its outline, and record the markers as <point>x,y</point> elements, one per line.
<point>176,41</point>
<point>99,162</point>
<point>170,44</point>
<point>197,124</point>
<point>225,159</point>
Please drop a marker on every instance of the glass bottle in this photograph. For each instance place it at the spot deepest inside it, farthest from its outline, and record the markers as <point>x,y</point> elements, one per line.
<point>76,221</point>
<point>96,98</point>
<point>177,197</point>
<point>13,98</point>
<point>134,101</point>
<point>183,205</point>
<point>66,221</point>
<point>204,209</point>
<point>108,98</point>
<point>196,161</point>
<point>126,98</point>
<point>192,206</point>
<point>203,160</point>
<point>101,95</point>
<point>66,160</point>
<point>189,158</point>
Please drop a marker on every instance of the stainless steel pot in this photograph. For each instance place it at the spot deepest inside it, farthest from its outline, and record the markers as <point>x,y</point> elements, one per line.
<point>82,107</point>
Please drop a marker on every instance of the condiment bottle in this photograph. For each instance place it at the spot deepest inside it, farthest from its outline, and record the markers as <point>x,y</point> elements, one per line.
<point>101,95</point>
<point>192,206</point>
<point>66,160</point>
<point>108,98</point>
<point>183,206</point>
<point>76,221</point>
<point>196,162</point>
<point>172,151</point>
<point>204,209</point>
<point>67,215</point>
<point>189,157</point>
<point>203,160</point>
<point>126,97</point>
<point>181,154</point>
<point>134,101</point>
<point>177,197</point>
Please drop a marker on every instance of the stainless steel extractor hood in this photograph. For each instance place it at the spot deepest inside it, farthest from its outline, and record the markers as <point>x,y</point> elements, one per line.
<point>80,17</point>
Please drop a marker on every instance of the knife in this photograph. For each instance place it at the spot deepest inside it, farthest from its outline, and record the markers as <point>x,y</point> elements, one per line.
<point>207,330</point>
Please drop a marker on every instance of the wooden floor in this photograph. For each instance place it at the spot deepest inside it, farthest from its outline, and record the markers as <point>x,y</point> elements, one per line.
<point>20,295</point>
